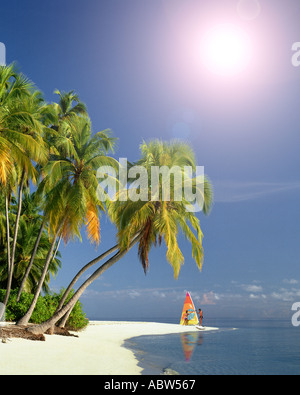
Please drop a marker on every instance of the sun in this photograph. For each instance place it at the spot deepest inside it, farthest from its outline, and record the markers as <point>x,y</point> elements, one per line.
<point>226,50</point>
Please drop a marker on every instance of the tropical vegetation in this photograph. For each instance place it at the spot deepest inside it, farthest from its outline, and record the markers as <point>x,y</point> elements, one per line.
<point>49,156</point>
<point>45,308</point>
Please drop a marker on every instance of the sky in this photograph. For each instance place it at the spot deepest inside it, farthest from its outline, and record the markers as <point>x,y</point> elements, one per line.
<point>141,68</point>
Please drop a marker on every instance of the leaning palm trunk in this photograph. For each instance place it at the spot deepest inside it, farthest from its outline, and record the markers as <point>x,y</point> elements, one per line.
<point>63,321</point>
<point>78,275</point>
<point>37,242</point>
<point>13,250</point>
<point>24,320</point>
<point>42,328</point>
<point>57,247</point>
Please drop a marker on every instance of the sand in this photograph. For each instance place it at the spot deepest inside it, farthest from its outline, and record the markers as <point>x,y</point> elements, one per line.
<point>98,350</point>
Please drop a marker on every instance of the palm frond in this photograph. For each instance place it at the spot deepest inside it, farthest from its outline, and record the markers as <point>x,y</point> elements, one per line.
<point>93,224</point>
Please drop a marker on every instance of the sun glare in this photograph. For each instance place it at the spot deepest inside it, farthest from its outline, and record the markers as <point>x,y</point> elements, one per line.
<point>226,50</point>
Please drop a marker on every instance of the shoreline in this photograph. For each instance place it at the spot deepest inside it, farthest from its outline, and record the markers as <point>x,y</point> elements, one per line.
<point>98,350</point>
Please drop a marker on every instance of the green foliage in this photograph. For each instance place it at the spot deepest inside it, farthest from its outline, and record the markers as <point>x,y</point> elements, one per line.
<point>29,227</point>
<point>45,308</point>
<point>54,147</point>
<point>155,220</point>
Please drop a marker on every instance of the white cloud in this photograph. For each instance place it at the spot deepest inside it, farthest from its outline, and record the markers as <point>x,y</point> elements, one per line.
<point>291,281</point>
<point>286,295</point>
<point>252,288</point>
<point>133,294</point>
<point>256,296</point>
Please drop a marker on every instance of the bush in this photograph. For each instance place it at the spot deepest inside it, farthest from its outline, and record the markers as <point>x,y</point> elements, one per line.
<point>44,309</point>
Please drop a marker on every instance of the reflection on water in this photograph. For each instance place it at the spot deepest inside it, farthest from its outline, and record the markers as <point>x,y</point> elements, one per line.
<point>189,342</point>
<point>253,348</point>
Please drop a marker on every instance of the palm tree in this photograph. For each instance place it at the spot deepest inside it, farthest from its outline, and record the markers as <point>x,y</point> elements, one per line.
<point>32,212</point>
<point>57,118</point>
<point>21,135</point>
<point>30,221</point>
<point>69,186</point>
<point>68,108</point>
<point>5,162</point>
<point>65,109</point>
<point>70,182</point>
<point>26,122</point>
<point>77,277</point>
<point>31,209</point>
<point>12,86</point>
<point>149,222</point>
<point>157,218</point>
<point>26,238</point>
<point>20,111</point>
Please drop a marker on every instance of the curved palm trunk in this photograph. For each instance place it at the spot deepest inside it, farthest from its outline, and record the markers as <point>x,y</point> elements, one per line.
<point>57,247</point>
<point>63,321</point>
<point>13,249</point>
<point>37,242</point>
<point>25,319</point>
<point>39,329</point>
<point>83,270</point>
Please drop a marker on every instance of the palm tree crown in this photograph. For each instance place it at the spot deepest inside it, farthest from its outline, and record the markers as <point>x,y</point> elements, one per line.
<point>70,182</point>
<point>157,220</point>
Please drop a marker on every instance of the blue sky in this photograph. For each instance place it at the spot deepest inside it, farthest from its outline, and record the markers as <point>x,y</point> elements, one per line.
<point>136,65</point>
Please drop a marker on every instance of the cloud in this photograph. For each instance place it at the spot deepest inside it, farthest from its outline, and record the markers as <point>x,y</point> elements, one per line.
<point>159,294</point>
<point>256,296</point>
<point>228,191</point>
<point>266,294</point>
<point>252,288</point>
<point>209,298</point>
<point>286,295</point>
<point>134,293</point>
<point>291,281</point>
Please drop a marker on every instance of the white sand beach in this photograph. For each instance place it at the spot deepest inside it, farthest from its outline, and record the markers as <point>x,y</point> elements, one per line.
<point>97,350</point>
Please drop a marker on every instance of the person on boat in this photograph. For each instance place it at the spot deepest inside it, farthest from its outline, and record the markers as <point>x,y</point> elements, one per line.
<point>186,319</point>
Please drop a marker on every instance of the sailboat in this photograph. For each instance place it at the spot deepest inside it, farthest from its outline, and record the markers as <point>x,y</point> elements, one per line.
<point>189,308</point>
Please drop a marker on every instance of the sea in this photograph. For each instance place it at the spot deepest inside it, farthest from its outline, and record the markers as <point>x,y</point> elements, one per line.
<point>237,348</point>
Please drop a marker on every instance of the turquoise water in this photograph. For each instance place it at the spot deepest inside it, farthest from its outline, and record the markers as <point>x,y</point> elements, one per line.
<point>238,348</point>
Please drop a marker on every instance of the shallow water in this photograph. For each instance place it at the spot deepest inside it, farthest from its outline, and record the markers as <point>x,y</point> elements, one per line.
<point>238,348</point>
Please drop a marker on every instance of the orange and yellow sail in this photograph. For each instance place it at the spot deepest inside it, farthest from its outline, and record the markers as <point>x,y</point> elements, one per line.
<point>190,308</point>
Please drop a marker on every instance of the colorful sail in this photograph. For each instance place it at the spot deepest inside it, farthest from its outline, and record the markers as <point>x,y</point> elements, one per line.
<point>189,311</point>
